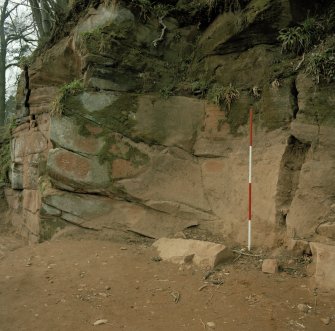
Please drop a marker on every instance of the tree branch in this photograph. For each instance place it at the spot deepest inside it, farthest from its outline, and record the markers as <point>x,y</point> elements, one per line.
<point>14,64</point>
<point>10,11</point>
<point>161,37</point>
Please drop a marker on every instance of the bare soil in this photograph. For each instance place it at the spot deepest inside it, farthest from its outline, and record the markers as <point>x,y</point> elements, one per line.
<point>71,282</point>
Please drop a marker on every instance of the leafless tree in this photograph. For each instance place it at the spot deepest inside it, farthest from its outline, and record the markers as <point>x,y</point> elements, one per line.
<point>16,40</point>
<point>45,13</point>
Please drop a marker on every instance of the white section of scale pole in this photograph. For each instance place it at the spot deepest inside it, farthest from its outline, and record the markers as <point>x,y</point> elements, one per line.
<point>249,221</point>
<point>250,172</point>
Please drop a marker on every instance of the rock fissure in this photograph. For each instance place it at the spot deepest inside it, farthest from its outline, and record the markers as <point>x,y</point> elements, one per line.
<point>206,193</point>
<point>79,225</point>
<point>136,139</point>
<point>295,104</point>
<point>84,191</point>
<point>288,179</point>
<point>147,204</point>
<point>74,151</point>
<point>236,51</point>
<point>27,89</point>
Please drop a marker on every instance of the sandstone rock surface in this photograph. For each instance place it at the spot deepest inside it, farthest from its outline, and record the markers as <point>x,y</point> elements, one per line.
<point>64,132</point>
<point>147,134</point>
<point>69,169</point>
<point>156,120</point>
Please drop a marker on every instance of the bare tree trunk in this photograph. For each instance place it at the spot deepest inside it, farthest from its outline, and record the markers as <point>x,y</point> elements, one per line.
<point>45,13</point>
<point>2,86</point>
<point>35,9</point>
<point>3,52</point>
<point>46,17</point>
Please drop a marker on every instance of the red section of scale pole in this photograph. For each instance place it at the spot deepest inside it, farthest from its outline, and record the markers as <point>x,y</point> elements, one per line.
<point>250,173</point>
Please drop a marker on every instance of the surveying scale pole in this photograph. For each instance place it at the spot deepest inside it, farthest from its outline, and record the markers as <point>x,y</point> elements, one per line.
<point>250,169</point>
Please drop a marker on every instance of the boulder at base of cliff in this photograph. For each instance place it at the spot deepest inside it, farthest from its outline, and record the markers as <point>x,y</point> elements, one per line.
<point>324,260</point>
<point>201,253</point>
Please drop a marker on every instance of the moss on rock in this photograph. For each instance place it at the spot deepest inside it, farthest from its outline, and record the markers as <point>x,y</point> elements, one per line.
<point>49,226</point>
<point>116,113</point>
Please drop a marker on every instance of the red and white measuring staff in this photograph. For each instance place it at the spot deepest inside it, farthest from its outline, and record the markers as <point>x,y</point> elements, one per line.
<point>250,169</point>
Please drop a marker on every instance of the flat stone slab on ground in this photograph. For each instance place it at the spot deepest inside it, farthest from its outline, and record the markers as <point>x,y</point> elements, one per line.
<point>201,253</point>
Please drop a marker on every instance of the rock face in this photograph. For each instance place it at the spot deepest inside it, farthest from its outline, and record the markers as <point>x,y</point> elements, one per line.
<point>126,152</point>
<point>69,169</point>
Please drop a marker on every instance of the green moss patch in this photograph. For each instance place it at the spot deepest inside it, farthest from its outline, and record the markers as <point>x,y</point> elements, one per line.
<point>49,226</point>
<point>107,39</point>
<point>65,91</point>
<point>136,157</point>
<point>118,116</point>
<point>115,149</point>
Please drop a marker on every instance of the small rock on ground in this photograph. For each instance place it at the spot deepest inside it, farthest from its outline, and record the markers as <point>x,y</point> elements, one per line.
<point>100,322</point>
<point>325,321</point>
<point>303,307</point>
<point>211,325</point>
<point>270,266</point>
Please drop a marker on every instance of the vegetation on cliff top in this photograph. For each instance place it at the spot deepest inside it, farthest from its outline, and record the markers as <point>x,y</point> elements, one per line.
<point>301,38</point>
<point>313,39</point>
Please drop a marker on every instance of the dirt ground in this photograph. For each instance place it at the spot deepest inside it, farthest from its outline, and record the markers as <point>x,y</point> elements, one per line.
<point>72,282</point>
